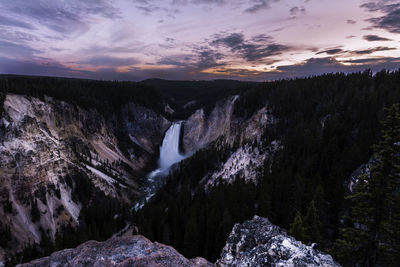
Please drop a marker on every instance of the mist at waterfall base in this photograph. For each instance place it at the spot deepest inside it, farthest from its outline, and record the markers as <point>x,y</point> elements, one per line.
<point>169,155</point>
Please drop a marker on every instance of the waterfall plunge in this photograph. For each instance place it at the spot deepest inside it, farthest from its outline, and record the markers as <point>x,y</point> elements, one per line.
<point>169,151</point>
<point>169,155</point>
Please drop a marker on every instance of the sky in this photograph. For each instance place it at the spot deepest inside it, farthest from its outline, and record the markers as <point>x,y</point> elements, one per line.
<point>197,39</point>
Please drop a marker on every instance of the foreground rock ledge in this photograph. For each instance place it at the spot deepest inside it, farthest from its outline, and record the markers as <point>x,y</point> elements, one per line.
<point>255,243</point>
<point>120,251</point>
<point>260,243</point>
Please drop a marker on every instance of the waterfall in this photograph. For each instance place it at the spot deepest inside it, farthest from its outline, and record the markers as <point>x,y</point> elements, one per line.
<point>169,155</point>
<point>169,150</point>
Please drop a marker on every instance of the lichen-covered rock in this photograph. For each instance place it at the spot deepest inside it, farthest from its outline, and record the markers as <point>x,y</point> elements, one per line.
<point>258,242</point>
<point>119,251</point>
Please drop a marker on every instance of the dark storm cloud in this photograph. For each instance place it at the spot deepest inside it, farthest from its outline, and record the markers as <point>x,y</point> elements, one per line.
<point>110,61</point>
<point>257,5</point>
<point>390,21</point>
<point>63,17</point>
<point>257,48</point>
<point>373,38</point>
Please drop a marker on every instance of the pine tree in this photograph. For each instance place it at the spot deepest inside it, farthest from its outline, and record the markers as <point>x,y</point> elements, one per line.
<point>297,228</point>
<point>312,225</point>
<point>370,233</point>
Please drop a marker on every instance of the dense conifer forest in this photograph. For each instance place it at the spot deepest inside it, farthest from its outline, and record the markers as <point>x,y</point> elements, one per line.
<point>328,125</point>
<point>306,188</point>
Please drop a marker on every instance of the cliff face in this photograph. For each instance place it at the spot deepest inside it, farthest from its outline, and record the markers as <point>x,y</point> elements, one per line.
<point>200,130</point>
<point>256,243</point>
<point>124,251</point>
<point>47,146</point>
<point>144,130</point>
<point>243,135</point>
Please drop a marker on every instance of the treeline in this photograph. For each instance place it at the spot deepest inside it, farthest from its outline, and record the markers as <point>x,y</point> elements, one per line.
<point>327,125</point>
<point>107,97</point>
<point>185,97</point>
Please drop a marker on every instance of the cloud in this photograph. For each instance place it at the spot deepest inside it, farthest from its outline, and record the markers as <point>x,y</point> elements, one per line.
<point>60,16</point>
<point>11,49</point>
<point>16,36</point>
<point>184,2</point>
<point>296,10</point>
<point>147,6</point>
<point>31,67</point>
<point>317,66</point>
<point>202,58</point>
<point>6,21</point>
<point>372,50</point>
<point>258,5</point>
<point>110,61</point>
<point>350,21</point>
<point>311,66</point>
<point>176,60</point>
<point>373,38</point>
<point>332,51</point>
<point>257,48</point>
<point>207,58</point>
<point>390,21</point>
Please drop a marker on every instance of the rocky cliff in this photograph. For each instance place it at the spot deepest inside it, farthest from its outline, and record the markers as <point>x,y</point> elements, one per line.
<point>256,242</point>
<point>201,129</point>
<point>51,151</point>
<point>243,135</point>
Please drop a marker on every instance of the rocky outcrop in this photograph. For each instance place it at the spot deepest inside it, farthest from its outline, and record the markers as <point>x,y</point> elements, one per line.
<point>125,251</point>
<point>258,242</point>
<point>245,162</point>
